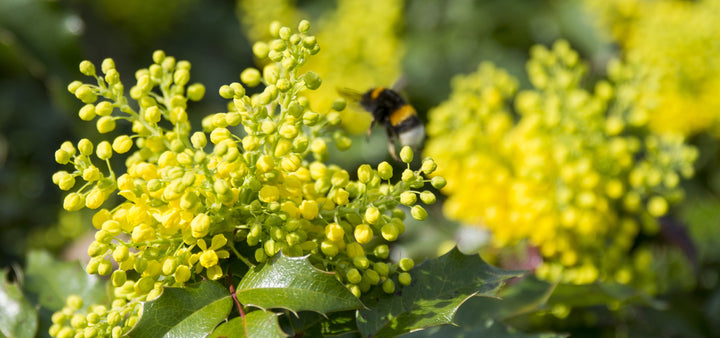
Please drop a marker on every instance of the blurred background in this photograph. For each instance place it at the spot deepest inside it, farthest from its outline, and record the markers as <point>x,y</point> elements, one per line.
<point>425,44</point>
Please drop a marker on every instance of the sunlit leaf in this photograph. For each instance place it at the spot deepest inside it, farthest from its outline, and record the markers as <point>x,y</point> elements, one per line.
<point>293,283</point>
<point>439,286</point>
<point>18,317</point>
<point>258,324</point>
<point>190,311</point>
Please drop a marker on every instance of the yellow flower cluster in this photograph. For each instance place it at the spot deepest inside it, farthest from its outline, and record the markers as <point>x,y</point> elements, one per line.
<point>244,184</point>
<point>367,51</point>
<point>572,172</point>
<point>679,43</point>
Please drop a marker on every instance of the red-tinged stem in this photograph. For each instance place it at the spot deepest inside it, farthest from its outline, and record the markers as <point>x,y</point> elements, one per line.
<point>237,302</point>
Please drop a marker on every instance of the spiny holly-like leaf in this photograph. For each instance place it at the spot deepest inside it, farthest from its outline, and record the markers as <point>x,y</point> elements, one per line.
<point>52,281</point>
<point>293,283</point>
<point>313,324</point>
<point>484,328</point>
<point>18,318</point>
<point>190,311</point>
<point>259,323</point>
<point>439,286</point>
<point>528,295</point>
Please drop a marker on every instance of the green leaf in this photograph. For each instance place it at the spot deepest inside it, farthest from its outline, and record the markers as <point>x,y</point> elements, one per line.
<point>293,283</point>
<point>190,311</point>
<point>439,286</point>
<point>18,317</point>
<point>528,295</point>
<point>51,281</point>
<point>484,328</point>
<point>598,293</point>
<point>259,323</point>
<point>313,324</point>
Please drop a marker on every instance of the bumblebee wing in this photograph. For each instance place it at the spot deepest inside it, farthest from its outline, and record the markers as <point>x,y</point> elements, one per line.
<point>400,84</point>
<point>349,94</point>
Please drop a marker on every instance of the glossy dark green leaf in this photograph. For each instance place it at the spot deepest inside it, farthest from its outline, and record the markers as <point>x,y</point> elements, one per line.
<point>51,281</point>
<point>439,286</point>
<point>190,311</point>
<point>18,317</point>
<point>259,324</point>
<point>527,295</point>
<point>600,294</point>
<point>483,328</point>
<point>293,283</point>
<point>313,324</point>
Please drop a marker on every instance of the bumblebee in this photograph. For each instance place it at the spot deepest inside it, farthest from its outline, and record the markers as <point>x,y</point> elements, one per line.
<point>391,110</point>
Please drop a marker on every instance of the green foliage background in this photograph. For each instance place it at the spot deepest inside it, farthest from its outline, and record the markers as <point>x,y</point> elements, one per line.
<point>41,43</point>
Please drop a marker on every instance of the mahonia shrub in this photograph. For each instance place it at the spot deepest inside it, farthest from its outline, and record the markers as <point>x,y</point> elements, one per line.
<point>572,172</point>
<point>253,183</point>
<point>683,59</point>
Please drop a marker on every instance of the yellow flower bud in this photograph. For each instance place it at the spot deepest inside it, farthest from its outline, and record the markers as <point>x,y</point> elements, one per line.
<point>182,273</point>
<point>342,197</point>
<point>407,175</point>
<point>363,233</point>
<point>408,198</point>
<point>291,163</point>
<point>122,144</point>
<point>309,209</point>
<point>91,174</point>
<point>87,68</point>
<point>329,248</point>
<point>406,154</point>
<point>282,148</point>
<point>318,146</point>
<point>73,202</point>
<point>353,276</point>
<point>152,114</point>
<point>250,142</point>
<point>87,112</point>
<point>428,166</point>
<point>418,213</point>
<point>406,264</point>
<point>200,225</point>
<point>104,150</point>
<point>104,108</point>
<point>250,77</point>
<point>86,94</point>
<point>427,197</point>
<point>390,232</point>
<point>85,147</point>
<point>66,181</point>
<point>372,215</point>
<point>219,134</point>
<point>438,182</point>
<point>62,156</point>
<point>269,193</point>
<point>312,80</point>
<point>105,124</point>
<point>334,232</point>
<point>265,163</point>
<point>385,170</point>
<point>364,173</point>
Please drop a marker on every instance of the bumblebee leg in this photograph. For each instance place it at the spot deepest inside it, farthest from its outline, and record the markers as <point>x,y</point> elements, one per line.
<point>391,142</point>
<point>391,150</point>
<point>369,131</point>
